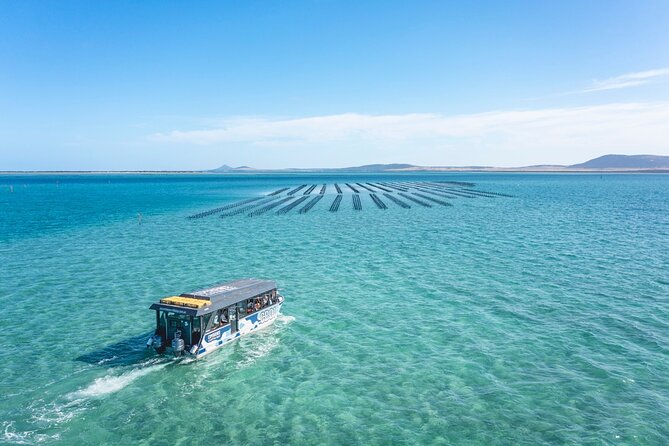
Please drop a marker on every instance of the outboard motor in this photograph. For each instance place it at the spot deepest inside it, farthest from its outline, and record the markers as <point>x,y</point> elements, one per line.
<point>178,344</point>
<point>155,341</point>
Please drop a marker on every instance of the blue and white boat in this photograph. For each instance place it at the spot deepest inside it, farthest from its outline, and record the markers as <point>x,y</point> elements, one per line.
<point>199,322</point>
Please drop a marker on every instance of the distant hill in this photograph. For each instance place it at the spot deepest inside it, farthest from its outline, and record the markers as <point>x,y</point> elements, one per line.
<point>625,162</point>
<point>226,168</point>
<point>367,168</point>
<point>376,168</point>
<point>603,163</point>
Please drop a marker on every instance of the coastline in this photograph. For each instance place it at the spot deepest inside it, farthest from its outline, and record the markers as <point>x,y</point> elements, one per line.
<point>332,171</point>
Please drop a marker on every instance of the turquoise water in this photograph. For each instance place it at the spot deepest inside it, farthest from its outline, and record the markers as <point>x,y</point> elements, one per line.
<point>538,319</point>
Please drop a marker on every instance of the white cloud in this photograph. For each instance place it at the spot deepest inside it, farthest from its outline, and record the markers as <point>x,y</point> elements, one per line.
<point>353,126</point>
<point>503,138</point>
<point>629,80</point>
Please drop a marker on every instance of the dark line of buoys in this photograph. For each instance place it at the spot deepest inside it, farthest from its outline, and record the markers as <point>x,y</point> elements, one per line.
<point>395,186</point>
<point>311,204</point>
<point>364,187</point>
<point>438,185</point>
<point>461,194</point>
<point>426,187</point>
<point>439,193</point>
<point>277,192</point>
<point>290,206</point>
<point>338,188</point>
<point>397,201</point>
<point>378,186</point>
<point>335,204</point>
<point>458,183</point>
<point>466,191</point>
<point>474,193</point>
<point>497,194</point>
<point>377,201</point>
<point>241,210</point>
<point>458,193</point>
<point>442,185</point>
<point>357,205</point>
<point>310,190</point>
<point>225,208</point>
<point>414,199</point>
<point>434,186</point>
<point>269,207</point>
<point>323,188</point>
<point>392,186</point>
<point>500,194</point>
<point>434,200</point>
<point>420,187</point>
<point>434,191</point>
<point>488,193</point>
<point>431,189</point>
<point>352,188</point>
<point>297,189</point>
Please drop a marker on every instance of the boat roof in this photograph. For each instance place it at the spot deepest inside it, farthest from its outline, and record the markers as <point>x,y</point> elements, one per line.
<point>199,302</point>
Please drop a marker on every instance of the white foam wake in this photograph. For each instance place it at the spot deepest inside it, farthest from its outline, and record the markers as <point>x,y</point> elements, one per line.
<point>285,319</point>
<point>11,435</point>
<point>113,383</point>
<point>263,343</point>
<point>256,349</point>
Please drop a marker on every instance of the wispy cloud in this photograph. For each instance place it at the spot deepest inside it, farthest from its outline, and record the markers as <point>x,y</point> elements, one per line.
<point>629,80</point>
<point>499,137</point>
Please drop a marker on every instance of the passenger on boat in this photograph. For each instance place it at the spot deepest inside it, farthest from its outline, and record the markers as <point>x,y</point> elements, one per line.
<point>257,305</point>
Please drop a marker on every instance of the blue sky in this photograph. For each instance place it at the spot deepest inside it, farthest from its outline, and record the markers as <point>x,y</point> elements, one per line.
<point>192,85</point>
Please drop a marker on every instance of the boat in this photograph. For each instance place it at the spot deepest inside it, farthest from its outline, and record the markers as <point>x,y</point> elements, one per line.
<point>199,322</point>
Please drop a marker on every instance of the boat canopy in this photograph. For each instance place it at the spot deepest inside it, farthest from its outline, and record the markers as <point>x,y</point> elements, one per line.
<point>197,303</point>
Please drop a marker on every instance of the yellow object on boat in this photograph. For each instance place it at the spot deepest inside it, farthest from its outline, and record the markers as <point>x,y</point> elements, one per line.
<point>185,301</point>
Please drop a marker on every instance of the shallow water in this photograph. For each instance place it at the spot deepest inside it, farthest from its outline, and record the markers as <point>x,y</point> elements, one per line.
<point>537,319</point>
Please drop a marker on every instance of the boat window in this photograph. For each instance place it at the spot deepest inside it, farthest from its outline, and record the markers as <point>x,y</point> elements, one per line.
<point>219,318</point>
<point>178,322</point>
<point>250,306</point>
<point>197,330</point>
<point>243,307</point>
<point>162,323</point>
<point>205,319</point>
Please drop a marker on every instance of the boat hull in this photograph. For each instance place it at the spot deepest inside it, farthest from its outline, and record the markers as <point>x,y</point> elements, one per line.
<point>216,339</point>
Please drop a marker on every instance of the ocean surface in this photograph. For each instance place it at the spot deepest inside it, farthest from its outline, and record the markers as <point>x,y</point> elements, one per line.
<point>541,318</point>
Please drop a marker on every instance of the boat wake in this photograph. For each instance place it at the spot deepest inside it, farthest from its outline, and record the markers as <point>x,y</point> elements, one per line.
<point>45,416</point>
<point>113,383</point>
<point>253,347</point>
<point>12,436</point>
<point>258,348</point>
<point>263,342</point>
<point>284,319</point>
